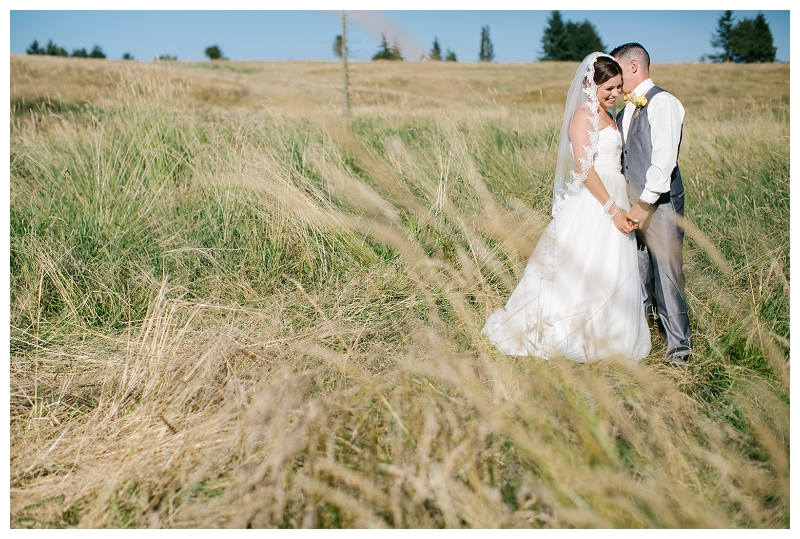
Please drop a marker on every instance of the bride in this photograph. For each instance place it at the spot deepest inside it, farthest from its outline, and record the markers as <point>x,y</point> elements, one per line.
<point>580,296</point>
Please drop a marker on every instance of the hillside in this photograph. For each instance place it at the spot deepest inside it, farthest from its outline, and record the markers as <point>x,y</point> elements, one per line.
<point>230,309</point>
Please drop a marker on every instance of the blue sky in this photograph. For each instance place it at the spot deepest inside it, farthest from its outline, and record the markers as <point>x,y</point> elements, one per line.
<point>669,36</point>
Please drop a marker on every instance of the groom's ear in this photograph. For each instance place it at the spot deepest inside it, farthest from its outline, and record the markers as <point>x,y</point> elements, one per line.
<point>634,66</point>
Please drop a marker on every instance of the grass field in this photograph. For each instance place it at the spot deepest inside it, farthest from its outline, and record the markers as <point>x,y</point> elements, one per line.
<point>230,309</point>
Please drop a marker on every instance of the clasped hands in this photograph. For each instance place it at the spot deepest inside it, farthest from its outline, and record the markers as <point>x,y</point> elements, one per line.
<point>627,222</point>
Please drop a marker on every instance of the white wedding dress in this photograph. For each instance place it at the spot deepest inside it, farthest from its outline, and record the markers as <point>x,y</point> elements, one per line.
<point>580,297</point>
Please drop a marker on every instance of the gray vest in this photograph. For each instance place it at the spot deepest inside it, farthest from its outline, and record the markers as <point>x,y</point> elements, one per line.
<point>637,151</point>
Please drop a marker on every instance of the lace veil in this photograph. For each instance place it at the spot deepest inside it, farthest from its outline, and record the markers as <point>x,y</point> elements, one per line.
<point>572,170</point>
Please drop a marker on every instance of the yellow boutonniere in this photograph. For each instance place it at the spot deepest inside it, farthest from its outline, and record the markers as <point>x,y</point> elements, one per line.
<point>638,100</point>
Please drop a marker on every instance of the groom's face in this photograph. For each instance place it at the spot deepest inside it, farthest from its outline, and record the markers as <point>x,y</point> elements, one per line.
<point>628,82</point>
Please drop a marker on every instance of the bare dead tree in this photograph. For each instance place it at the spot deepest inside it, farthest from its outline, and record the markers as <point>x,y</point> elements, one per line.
<point>344,66</point>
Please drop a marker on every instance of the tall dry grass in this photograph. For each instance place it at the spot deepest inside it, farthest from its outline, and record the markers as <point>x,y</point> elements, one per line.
<point>238,312</point>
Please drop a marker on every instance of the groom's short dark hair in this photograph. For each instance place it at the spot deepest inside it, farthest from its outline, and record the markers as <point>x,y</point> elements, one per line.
<point>634,50</point>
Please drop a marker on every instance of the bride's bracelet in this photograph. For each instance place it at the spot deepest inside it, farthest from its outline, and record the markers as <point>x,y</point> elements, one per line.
<point>615,212</point>
<point>608,204</point>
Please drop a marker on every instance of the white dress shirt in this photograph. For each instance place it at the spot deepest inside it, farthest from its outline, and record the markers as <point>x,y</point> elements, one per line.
<point>665,114</point>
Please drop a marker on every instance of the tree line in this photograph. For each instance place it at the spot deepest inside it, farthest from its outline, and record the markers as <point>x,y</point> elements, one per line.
<point>747,41</point>
<point>562,41</point>
<point>51,49</point>
<point>393,52</point>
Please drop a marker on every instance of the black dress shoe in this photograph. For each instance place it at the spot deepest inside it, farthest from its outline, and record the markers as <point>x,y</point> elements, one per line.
<point>678,360</point>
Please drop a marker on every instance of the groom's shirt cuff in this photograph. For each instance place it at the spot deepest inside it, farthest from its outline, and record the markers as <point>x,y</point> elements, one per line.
<point>649,196</point>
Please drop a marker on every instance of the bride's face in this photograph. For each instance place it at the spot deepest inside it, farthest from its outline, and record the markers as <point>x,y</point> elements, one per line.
<point>608,91</point>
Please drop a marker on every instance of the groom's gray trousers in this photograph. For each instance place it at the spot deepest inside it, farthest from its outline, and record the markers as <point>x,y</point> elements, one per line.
<point>660,240</point>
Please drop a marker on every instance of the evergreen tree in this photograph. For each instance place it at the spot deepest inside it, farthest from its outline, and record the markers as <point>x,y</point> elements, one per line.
<point>722,39</point>
<point>387,53</point>
<point>97,52</point>
<point>450,56</point>
<point>555,40</point>
<point>214,52</point>
<point>751,41</point>
<point>337,46</point>
<point>569,41</point>
<point>34,48</point>
<point>486,53</point>
<point>51,49</point>
<point>80,53</point>
<point>436,51</point>
<point>396,52</point>
<point>127,56</point>
<point>383,53</point>
<point>583,40</point>
<point>747,41</point>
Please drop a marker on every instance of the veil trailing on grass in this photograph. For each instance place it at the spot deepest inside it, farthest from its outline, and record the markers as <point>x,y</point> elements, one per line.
<point>582,96</point>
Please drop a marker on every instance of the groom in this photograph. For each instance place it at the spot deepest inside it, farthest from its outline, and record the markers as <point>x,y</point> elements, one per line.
<point>651,131</point>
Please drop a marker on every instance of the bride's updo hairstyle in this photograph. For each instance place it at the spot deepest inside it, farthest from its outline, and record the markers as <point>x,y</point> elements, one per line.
<point>605,68</point>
